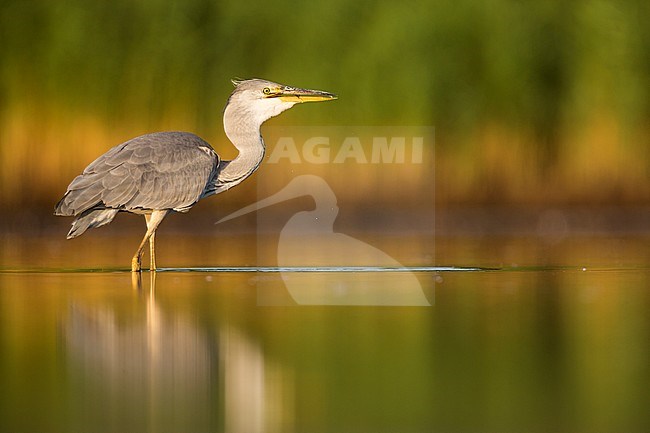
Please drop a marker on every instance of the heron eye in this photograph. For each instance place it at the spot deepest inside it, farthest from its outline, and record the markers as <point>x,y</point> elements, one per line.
<point>267,91</point>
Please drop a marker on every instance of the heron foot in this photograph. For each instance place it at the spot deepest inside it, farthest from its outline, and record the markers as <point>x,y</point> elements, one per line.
<point>135,264</point>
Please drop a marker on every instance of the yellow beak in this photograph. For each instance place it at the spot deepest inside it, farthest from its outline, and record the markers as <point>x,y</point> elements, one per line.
<point>291,94</point>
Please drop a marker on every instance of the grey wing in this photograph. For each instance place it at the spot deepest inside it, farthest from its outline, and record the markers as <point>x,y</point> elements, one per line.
<point>165,170</point>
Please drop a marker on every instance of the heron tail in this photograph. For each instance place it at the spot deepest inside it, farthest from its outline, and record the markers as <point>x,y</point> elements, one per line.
<point>90,219</point>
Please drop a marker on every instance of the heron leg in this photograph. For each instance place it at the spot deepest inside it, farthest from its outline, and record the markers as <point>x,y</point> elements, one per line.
<point>152,252</point>
<point>153,221</point>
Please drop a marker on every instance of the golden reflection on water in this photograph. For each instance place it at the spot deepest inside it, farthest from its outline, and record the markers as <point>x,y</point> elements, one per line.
<point>550,349</point>
<point>199,352</point>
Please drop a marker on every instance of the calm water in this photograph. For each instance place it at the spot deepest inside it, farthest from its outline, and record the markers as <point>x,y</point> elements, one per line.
<point>552,335</point>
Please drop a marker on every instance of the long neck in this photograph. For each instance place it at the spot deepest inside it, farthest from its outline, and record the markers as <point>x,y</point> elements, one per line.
<point>244,133</point>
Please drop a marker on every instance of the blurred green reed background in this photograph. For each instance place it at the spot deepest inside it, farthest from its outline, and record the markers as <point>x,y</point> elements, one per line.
<point>532,101</point>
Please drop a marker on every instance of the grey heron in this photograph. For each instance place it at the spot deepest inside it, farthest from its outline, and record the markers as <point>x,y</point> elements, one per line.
<point>158,173</point>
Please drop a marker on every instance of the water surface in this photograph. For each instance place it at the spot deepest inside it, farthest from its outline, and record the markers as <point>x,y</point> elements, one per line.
<point>505,342</point>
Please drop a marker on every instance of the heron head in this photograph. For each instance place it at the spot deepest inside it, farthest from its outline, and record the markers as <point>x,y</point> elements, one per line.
<point>262,99</point>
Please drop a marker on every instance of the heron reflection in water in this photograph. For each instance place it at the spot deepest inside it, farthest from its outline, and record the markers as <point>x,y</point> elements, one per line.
<point>150,355</point>
<point>158,173</point>
<point>308,239</point>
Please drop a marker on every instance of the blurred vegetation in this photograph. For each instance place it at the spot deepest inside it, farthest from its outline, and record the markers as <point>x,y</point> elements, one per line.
<point>531,100</point>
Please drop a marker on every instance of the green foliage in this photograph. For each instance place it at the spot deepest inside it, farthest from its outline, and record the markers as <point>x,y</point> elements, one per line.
<point>542,70</point>
<point>416,61</point>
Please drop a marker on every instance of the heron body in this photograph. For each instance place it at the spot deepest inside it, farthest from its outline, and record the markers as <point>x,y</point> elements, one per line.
<point>158,173</point>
